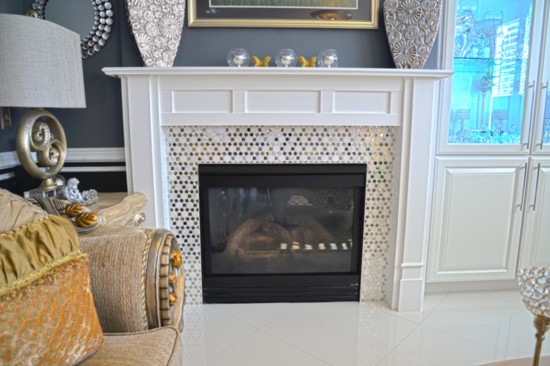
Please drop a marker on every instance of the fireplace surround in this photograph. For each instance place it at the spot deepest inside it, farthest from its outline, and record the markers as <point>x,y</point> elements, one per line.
<point>189,147</point>
<point>175,118</point>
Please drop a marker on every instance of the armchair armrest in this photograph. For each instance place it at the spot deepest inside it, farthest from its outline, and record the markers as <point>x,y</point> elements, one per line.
<point>137,278</point>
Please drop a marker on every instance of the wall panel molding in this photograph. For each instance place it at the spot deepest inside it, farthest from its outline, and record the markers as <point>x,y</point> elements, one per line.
<point>107,162</point>
<point>9,159</point>
<point>95,155</point>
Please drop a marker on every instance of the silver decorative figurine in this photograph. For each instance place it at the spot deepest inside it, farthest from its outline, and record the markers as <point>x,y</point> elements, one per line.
<point>73,195</point>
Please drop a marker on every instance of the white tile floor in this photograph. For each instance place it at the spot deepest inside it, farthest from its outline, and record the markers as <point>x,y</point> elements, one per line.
<point>454,329</point>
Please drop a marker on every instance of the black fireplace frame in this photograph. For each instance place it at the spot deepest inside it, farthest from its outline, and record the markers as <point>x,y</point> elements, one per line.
<point>256,288</point>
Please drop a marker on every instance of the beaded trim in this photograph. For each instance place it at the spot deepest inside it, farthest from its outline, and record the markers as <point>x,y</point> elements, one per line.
<point>144,257</point>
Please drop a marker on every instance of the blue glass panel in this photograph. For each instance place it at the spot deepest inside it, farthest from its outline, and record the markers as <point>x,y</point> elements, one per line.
<point>490,64</point>
<point>546,131</point>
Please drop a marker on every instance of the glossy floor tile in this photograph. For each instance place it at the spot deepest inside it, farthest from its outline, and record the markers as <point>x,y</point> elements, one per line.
<point>453,329</point>
<point>430,347</point>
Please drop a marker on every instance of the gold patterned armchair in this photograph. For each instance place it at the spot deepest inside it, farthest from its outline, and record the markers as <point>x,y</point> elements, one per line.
<point>113,296</point>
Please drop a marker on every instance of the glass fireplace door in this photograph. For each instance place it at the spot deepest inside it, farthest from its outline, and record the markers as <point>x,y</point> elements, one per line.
<point>264,225</point>
<point>262,230</point>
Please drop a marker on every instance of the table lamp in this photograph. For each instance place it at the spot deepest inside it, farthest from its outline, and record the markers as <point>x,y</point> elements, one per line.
<point>534,286</point>
<point>40,67</point>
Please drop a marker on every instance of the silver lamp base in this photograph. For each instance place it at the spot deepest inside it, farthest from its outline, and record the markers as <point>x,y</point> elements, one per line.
<point>41,133</point>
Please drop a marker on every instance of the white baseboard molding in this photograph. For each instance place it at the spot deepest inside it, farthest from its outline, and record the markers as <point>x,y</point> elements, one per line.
<point>9,159</point>
<point>500,285</point>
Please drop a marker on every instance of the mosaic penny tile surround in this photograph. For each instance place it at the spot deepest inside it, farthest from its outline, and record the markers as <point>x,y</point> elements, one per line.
<point>187,147</point>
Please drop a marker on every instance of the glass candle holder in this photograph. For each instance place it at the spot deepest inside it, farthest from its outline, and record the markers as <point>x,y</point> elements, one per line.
<point>328,58</point>
<point>238,57</point>
<point>286,58</point>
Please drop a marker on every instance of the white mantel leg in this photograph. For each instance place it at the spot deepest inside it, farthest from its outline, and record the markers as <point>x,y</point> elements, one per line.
<point>415,196</point>
<point>144,147</point>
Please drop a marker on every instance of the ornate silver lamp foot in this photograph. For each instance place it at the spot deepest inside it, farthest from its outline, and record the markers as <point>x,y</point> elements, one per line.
<point>542,324</point>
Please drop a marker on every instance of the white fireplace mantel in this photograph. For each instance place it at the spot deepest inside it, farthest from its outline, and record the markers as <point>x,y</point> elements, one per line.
<point>157,98</point>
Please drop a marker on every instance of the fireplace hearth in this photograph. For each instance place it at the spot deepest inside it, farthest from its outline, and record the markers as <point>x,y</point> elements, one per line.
<point>281,232</point>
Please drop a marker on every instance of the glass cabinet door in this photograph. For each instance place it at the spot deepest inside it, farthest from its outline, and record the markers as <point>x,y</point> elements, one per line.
<point>493,85</point>
<point>542,118</point>
<point>545,138</point>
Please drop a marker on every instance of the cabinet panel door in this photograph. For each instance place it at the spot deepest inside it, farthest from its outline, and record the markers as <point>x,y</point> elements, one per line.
<point>476,219</point>
<point>536,234</point>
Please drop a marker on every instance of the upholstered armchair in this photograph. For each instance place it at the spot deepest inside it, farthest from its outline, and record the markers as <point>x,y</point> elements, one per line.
<point>48,315</point>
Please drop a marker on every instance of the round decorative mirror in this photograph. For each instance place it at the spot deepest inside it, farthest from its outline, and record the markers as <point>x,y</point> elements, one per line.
<point>100,20</point>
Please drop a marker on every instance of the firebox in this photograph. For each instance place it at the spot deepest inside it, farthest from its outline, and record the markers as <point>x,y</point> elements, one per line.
<point>281,232</point>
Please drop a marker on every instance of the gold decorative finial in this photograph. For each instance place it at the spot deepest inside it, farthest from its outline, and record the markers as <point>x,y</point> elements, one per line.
<point>176,258</point>
<point>74,209</point>
<point>86,219</point>
<point>173,298</point>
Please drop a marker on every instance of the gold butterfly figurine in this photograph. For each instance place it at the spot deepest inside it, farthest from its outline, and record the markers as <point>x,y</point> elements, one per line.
<point>261,63</point>
<point>307,63</point>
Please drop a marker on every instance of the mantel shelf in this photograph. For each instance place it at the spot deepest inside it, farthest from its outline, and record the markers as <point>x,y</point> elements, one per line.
<point>279,71</point>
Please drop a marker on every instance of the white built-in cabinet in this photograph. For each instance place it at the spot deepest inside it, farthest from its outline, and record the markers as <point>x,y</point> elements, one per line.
<point>491,199</point>
<point>476,223</point>
<point>535,241</point>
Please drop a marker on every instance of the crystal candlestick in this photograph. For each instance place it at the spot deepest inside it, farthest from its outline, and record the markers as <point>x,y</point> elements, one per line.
<point>238,57</point>
<point>286,58</point>
<point>328,58</point>
<point>535,288</point>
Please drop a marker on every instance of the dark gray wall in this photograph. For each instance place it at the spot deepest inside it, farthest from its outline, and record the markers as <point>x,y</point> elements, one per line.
<point>100,124</point>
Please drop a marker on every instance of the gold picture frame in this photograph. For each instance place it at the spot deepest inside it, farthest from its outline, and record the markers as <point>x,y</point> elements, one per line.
<point>347,14</point>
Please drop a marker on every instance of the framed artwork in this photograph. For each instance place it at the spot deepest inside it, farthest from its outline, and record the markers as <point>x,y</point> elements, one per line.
<point>358,14</point>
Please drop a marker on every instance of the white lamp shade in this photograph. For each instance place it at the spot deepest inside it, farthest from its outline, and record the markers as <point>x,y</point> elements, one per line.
<point>40,64</point>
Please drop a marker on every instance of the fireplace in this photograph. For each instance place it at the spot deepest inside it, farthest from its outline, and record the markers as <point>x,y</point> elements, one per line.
<point>281,232</point>
<point>178,118</point>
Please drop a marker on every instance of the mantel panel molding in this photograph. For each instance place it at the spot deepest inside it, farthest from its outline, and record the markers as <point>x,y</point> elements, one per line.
<point>277,96</point>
